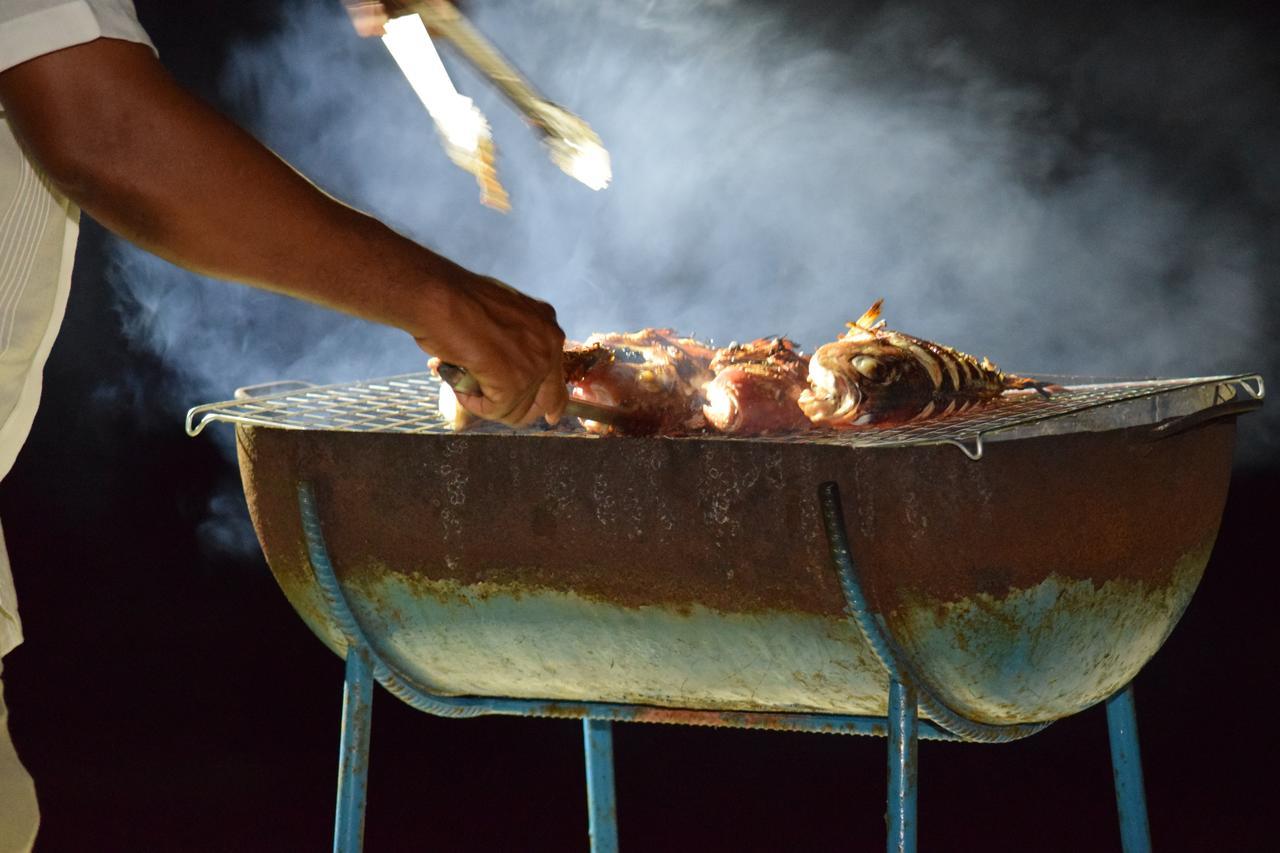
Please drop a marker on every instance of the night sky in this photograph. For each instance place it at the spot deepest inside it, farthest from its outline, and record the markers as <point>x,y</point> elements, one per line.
<point>167,697</point>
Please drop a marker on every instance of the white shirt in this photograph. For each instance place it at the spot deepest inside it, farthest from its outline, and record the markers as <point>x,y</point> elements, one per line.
<point>38,229</point>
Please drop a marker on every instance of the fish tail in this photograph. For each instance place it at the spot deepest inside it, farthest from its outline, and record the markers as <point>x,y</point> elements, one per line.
<point>1013,382</point>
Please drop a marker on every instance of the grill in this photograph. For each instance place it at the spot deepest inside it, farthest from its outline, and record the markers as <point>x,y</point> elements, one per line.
<point>858,582</point>
<point>408,404</point>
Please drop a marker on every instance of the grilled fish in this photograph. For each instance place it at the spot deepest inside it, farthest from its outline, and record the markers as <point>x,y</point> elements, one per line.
<point>757,388</point>
<point>877,377</point>
<point>655,374</point>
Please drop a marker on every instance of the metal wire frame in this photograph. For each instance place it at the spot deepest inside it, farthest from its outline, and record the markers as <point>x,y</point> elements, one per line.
<point>409,404</point>
<point>908,695</point>
<point>895,661</point>
<point>403,686</point>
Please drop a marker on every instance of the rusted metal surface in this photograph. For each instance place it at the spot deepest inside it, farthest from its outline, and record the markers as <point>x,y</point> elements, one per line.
<point>1053,586</point>
<point>629,522</point>
<point>695,573</point>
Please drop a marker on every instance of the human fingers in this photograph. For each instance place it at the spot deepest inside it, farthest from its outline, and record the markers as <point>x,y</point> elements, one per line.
<point>539,353</point>
<point>552,394</point>
<point>367,16</point>
<point>495,403</point>
<point>549,400</point>
<point>524,412</point>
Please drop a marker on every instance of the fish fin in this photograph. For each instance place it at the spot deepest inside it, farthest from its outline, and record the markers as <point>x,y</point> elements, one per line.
<point>868,320</point>
<point>1021,383</point>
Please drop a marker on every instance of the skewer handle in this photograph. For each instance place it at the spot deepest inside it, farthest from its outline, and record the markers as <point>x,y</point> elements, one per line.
<point>458,378</point>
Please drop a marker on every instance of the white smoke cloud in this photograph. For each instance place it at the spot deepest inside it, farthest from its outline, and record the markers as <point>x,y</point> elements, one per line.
<point>774,176</point>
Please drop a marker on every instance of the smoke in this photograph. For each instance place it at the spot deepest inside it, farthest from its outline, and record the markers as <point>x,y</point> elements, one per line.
<point>1100,200</point>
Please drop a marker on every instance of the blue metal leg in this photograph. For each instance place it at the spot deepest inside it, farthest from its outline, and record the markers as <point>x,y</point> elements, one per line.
<point>902,767</point>
<point>1126,767</point>
<point>602,806</point>
<point>353,754</point>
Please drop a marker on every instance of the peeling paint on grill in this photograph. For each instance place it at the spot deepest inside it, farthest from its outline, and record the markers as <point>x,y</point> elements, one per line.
<point>696,573</point>
<point>485,640</point>
<point>1061,644</point>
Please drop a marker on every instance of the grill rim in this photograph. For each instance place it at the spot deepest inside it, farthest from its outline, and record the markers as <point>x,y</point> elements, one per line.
<point>1119,403</point>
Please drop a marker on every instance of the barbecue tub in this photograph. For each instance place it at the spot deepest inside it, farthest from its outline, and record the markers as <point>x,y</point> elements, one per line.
<point>1016,564</point>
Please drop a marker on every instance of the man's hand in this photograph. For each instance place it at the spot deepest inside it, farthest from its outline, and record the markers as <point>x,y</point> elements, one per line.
<point>370,16</point>
<point>367,16</point>
<point>511,345</point>
<point>508,342</point>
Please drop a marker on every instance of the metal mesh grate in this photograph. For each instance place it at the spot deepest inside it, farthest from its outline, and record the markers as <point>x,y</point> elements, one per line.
<point>1084,405</point>
<point>406,403</point>
<point>409,404</point>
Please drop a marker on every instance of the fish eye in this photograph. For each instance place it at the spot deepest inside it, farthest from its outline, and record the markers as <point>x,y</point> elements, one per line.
<point>867,366</point>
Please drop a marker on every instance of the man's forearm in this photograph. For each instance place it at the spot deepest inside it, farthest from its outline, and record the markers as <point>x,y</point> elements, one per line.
<point>159,167</point>
<point>164,170</point>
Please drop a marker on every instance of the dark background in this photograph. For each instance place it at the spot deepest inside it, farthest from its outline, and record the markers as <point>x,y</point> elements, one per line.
<point>168,698</point>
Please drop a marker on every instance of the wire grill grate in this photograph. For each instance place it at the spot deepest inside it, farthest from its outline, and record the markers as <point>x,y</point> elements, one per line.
<point>409,404</point>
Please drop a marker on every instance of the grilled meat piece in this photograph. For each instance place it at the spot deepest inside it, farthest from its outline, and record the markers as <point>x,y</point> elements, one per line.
<point>581,359</point>
<point>757,388</point>
<point>874,376</point>
<point>653,373</point>
<point>871,377</point>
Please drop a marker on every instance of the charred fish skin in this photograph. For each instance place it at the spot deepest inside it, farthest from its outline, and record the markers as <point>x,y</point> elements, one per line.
<point>876,377</point>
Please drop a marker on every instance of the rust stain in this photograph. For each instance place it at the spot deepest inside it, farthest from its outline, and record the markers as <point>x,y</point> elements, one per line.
<point>734,526</point>
<point>442,508</point>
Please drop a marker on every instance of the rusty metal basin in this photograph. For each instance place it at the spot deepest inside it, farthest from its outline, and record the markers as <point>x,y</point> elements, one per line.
<point>694,572</point>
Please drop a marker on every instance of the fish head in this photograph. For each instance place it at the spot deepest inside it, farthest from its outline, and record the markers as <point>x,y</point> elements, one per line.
<point>856,382</point>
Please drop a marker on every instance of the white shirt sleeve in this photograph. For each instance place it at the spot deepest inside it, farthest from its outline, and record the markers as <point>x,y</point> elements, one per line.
<point>31,28</point>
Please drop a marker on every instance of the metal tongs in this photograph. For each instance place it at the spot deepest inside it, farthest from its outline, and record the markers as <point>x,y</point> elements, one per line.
<point>573,145</point>
<point>463,382</point>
